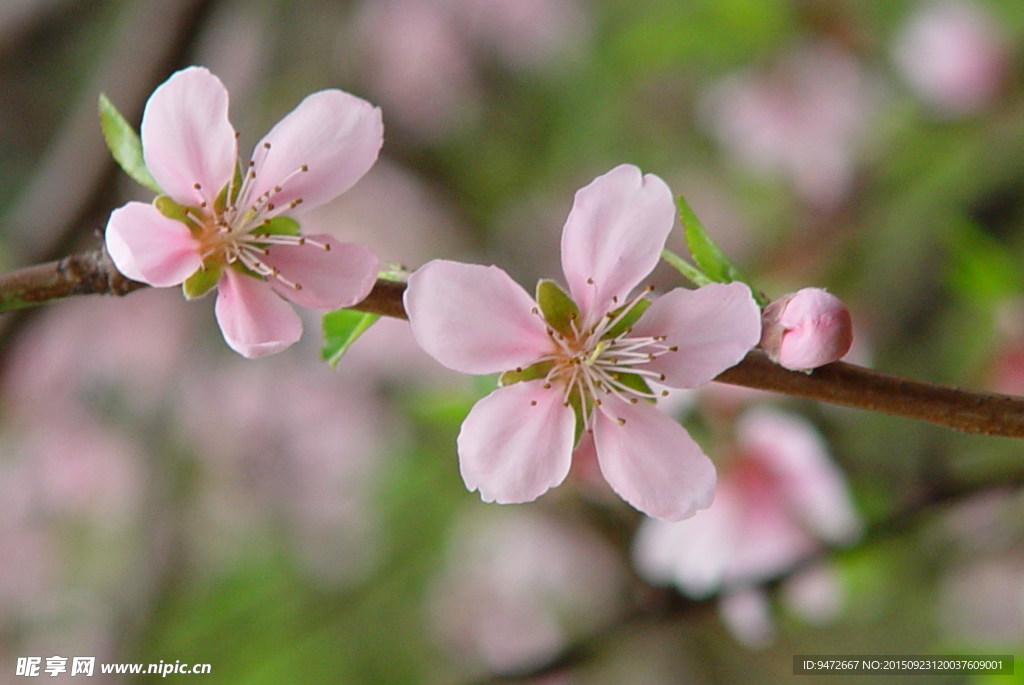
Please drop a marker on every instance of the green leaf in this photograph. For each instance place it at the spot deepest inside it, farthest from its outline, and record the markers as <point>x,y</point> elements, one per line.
<point>706,253</point>
<point>125,145</point>
<point>530,373</point>
<point>342,328</point>
<point>628,319</point>
<point>201,282</point>
<point>558,308</point>
<point>689,271</point>
<point>712,264</point>
<point>279,225</point>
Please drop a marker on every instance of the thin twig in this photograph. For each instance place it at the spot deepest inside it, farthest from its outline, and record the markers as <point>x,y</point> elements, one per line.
<point>861,388</point>
<point>838,383</point>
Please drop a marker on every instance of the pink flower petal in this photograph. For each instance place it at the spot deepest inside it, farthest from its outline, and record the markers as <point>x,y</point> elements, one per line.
<point>614,236</point>
<point>651,461</point>
<point>714,327</point>
<point>330,279</point>
<point>148,247</point>
<point>335,135</point>
<point>474,319</point>
<point>516,443</point>
<point>187,138</point>
<point>254,320</point>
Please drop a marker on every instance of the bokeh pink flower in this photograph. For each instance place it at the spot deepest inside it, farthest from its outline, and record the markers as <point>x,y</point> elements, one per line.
<point>230,228</point>
<point>580,367</point>
<point>802,118</point>
<point>953,56</point>
<point>517,586</point>
<point>779,500</point>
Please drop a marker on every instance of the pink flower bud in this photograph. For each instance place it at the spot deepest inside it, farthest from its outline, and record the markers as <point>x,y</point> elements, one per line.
<point>806,329</point>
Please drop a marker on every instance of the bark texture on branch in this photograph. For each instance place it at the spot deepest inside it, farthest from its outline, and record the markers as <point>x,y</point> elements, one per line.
<point>92,273</point>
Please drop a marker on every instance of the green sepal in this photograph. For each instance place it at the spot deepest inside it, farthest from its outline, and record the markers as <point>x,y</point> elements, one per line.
<point>557,307</point>
<point>530,373</point>
<point>577,408</point>
<point>634,382</point>
<point>202,281</point>
<point>628,319</point>
<point>243,269</point>
<point>124,144</point>
<point>342,328</point>
<point>221,202</point>
<point>172,210</point>
<point>279,225</point>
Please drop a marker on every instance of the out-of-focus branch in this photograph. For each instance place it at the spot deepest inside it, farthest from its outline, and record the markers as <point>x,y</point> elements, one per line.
<point>150,38</point>
<point>838,383</point>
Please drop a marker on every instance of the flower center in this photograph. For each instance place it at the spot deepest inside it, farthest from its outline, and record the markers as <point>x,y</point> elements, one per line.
<point>606,359</point>
<point>240,229</point>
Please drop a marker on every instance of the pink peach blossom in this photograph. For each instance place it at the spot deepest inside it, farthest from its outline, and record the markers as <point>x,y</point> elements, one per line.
<point>230,227</point>
<point>806,329</point>
<point>585,371</point>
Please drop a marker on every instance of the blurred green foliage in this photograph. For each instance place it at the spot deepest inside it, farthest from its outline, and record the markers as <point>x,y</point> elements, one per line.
<point>926,249</point>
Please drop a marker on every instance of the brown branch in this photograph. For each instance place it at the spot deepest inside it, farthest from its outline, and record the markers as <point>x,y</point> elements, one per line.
<point>839,383</point>
<point>861,388</point>
<point>385,299</point>
<point>89,273</point>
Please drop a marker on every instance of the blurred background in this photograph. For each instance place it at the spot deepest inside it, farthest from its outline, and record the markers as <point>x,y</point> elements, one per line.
<point>163,499</point>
